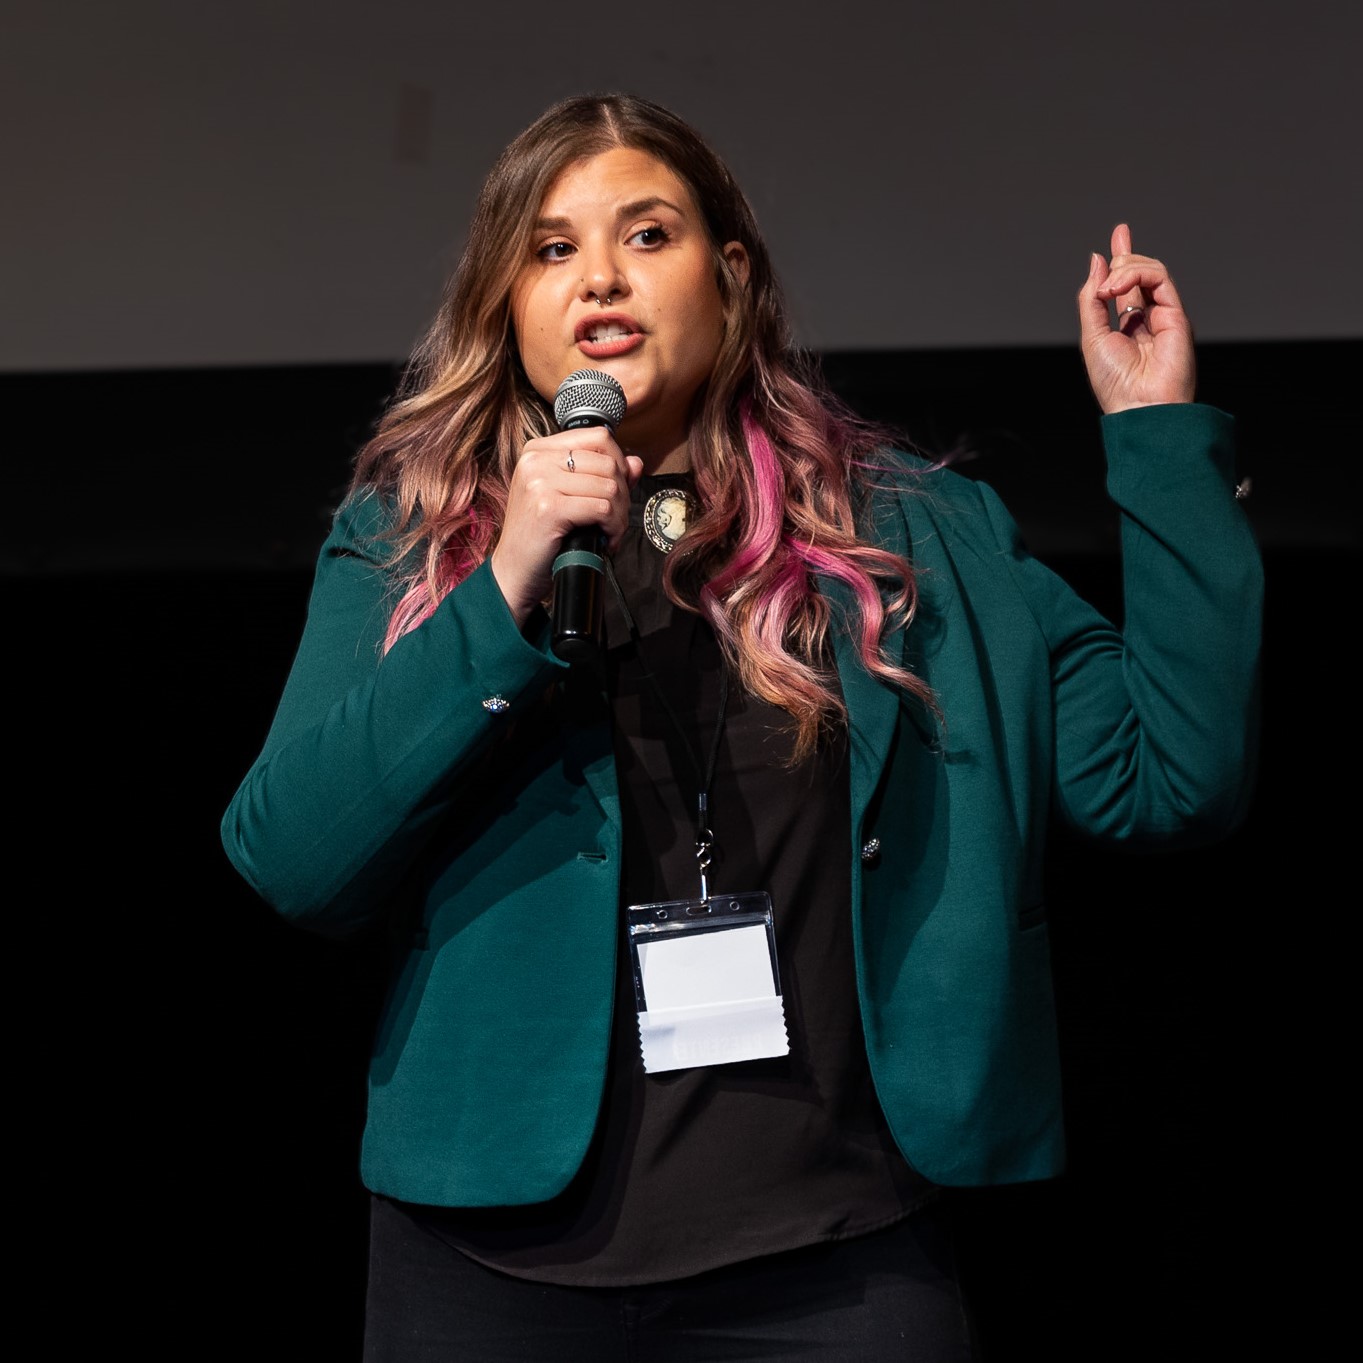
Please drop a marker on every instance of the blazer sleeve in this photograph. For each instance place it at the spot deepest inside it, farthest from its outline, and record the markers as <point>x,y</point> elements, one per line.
<point>1156,725</point>
<point>366,749</point>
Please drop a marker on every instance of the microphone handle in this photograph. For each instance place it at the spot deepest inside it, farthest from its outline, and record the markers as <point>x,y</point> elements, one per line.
<point>579,580</point>
<point>579,576</point>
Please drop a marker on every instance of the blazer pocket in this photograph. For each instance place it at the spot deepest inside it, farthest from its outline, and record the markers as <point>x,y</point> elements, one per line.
<point>1033,916</point>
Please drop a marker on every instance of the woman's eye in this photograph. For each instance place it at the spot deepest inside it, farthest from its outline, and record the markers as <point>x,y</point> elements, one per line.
<point>650,236</point>
<point>555,250</point>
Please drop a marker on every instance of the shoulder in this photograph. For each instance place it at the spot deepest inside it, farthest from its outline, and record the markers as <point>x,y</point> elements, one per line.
<point>365,527</point>
<point>899,474</point>
<point>364,515</point>
<point>929,497</point>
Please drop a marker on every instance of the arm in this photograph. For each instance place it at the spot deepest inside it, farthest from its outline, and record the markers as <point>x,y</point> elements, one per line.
<point>1155,726</point>
<point>365,752</point>
<point>1156,730</point>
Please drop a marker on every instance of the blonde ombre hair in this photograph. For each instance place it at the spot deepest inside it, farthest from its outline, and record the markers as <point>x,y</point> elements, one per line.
<point>777,458</point>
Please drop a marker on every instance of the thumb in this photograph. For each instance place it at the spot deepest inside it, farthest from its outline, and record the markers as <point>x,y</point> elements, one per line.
<point>1094,320</point>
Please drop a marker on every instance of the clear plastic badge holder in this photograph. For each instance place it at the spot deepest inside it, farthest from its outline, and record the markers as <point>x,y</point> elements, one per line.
<point>706,982</point>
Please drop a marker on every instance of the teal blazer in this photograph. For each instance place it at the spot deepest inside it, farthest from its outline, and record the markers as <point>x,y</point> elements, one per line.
<point>390,788</point>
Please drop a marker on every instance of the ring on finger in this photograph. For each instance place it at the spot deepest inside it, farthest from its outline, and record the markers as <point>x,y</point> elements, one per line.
<point>571,466</point>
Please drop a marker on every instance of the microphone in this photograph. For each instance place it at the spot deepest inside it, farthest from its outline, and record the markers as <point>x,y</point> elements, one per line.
<point>587,397</point>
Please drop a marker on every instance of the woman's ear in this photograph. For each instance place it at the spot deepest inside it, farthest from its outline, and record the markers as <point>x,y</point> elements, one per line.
<point>737,256</point>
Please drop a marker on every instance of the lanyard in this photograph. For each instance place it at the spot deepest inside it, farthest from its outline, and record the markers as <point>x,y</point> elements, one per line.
<point>705,839</point>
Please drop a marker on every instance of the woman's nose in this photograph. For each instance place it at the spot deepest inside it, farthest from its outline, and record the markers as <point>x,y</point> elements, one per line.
<point>603,279</point>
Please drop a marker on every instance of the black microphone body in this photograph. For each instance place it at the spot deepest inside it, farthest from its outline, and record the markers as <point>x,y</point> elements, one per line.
<point>586,397</point>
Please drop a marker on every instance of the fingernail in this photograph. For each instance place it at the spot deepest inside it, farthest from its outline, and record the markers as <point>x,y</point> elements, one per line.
<point>1094,261</point>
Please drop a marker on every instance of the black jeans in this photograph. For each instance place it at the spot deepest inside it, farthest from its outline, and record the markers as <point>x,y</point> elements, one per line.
<point>892,1294</point>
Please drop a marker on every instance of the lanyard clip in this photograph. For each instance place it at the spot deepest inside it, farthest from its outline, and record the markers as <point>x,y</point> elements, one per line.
<point>705,842</point>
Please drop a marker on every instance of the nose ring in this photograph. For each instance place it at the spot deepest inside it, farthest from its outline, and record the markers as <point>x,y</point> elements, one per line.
<point>602,302</point>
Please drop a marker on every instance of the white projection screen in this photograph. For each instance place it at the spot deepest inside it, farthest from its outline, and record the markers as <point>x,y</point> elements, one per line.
<point>253,183</point>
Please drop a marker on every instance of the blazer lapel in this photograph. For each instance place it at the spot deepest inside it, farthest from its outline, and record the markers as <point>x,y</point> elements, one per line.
<point>872,705</point>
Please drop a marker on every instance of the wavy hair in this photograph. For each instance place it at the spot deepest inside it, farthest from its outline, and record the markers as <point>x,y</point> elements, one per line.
<point>779,461</point>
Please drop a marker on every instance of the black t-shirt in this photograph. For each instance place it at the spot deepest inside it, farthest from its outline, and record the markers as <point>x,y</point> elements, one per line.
<point>693,1169</point>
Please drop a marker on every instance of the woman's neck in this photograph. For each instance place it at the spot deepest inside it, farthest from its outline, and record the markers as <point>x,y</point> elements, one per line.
<point>676,460</point>
<point>661,451</point>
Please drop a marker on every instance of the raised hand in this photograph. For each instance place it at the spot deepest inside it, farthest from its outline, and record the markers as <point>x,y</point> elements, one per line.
<point>1147,356</point>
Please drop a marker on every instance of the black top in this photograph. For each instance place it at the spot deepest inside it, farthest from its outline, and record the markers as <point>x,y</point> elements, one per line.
<point>694,1169</point>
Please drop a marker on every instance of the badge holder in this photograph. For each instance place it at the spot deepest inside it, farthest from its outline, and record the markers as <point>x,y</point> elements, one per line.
<point>706,982</point>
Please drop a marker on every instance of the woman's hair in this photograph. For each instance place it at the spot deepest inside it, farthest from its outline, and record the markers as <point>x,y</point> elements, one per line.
<point>778,460</point>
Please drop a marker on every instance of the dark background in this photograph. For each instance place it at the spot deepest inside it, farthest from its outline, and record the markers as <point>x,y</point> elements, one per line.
<point>227,222</point>
<point>201,1064</point>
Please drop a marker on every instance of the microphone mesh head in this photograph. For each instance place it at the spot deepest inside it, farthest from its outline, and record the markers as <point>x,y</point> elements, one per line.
<point>589,393</point>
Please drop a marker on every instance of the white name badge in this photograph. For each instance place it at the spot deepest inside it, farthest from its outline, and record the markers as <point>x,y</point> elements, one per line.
<point>706,983</point>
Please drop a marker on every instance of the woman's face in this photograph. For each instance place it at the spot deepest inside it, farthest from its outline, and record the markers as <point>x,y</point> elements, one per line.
<point>621,278</point>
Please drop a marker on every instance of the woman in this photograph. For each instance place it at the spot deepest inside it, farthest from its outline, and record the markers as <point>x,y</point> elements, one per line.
<point>847,653</point>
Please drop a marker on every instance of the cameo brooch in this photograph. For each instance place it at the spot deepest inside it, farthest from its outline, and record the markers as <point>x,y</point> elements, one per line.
<point>666,515</point>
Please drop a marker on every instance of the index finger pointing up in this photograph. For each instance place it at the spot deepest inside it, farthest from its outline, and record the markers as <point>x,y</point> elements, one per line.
<point>1130,305</point>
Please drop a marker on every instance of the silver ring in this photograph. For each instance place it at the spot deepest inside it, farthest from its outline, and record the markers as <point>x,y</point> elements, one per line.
<point>571,466</point>
<point>1133,307</point>
<point>602,302</point>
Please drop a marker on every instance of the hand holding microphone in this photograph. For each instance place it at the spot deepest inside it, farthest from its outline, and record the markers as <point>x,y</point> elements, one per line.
<point>568,499</point>
<point>585,398</point>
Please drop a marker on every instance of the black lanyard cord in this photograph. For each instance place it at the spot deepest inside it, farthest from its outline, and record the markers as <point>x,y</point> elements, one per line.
<point>705,778</point>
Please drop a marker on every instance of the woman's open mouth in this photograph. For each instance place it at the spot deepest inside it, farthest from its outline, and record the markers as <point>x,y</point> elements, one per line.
<point>601,337</point>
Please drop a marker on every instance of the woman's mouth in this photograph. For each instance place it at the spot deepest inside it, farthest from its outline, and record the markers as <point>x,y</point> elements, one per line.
<point>601,337</point>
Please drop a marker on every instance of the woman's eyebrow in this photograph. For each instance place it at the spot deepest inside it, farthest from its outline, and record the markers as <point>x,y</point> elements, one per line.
<point>639,206</point>
<point>629,210</point>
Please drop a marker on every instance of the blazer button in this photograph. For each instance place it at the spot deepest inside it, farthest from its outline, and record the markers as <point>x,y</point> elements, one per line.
<point>870,850</point>
<point>495,705</point>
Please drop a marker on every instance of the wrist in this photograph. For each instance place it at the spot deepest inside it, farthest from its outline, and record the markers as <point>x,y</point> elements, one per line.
<point>1132,404</point>
<point>518,603</point>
